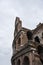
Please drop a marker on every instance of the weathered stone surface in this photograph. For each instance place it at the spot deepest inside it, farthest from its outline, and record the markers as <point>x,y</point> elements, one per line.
<point>27,50</point>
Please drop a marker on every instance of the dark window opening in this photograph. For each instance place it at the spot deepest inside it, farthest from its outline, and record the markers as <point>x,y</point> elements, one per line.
<point>26,61</point>
<point>19,41</point>
<point>42,34</point>
<point>40,49</point>
<point>18,62</point>
<point>37,39</point>
<point>29,35</point>
<point>40,52</point>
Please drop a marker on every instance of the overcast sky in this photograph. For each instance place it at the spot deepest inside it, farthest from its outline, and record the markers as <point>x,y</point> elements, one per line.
<point>29,11</point>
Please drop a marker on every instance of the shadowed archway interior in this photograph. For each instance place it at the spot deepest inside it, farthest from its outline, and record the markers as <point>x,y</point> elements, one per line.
<point>26,61</point>
<point>18,62</point>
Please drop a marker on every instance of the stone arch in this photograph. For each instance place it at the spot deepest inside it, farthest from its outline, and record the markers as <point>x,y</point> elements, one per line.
<point>18,62</point>
<point>26,61</point>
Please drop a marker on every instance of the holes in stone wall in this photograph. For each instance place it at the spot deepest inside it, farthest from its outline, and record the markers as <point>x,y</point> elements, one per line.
<point>26,61</point>
<point>19,41</point>
<point>40,52</point>
<point>18,62</point>
<point>29,35</point>
<point>42,34</point>
<point>37,39</point>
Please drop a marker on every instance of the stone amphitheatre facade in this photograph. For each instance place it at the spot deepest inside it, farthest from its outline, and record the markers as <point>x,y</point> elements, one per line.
<point>27,45</point>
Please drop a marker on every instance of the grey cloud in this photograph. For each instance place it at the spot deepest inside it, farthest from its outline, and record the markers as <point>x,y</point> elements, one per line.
<point>30,12</point>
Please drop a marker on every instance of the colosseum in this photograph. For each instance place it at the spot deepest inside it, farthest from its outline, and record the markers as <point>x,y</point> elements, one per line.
<point>27,45</point>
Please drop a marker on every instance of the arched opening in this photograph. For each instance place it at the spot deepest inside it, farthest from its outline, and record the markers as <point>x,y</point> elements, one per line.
<point>40,49</point>
<point>37,39</point>
<point>40,52</point>
<point>18,62</point>
<point>42,34</point>
<point>19,41</point>
<point>26,61</point>
<point>29,35</point>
